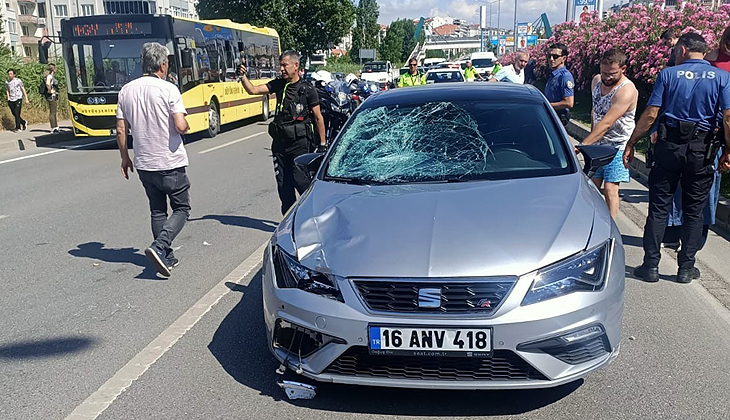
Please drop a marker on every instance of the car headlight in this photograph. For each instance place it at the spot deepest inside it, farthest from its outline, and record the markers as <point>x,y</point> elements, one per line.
<point>583,272</point>
<point>290,274</point>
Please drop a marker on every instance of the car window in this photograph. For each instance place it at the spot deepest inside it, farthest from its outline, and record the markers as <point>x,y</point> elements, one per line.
<point>482,62</point>
<point>374,68</point>
<point>448,141</point>
<point>444,76</point>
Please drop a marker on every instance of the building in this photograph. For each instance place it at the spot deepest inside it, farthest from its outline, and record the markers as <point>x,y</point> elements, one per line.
<point>26,21</point>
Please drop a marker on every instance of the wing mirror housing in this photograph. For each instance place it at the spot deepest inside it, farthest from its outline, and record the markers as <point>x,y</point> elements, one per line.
<point>595,157</point>
<point>309,163</point>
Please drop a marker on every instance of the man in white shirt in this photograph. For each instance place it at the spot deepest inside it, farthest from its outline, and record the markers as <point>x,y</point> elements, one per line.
<point>152,110</point>
<point>514,72</point>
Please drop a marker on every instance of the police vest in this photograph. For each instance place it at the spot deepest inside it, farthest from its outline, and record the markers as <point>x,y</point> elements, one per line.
<point>412,80</point>
<point>293,118</point>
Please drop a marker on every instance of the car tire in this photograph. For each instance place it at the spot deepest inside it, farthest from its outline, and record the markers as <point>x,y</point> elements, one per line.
<point>214,120</point>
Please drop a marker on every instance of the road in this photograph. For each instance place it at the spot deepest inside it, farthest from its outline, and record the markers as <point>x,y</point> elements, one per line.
<point>85,319</point>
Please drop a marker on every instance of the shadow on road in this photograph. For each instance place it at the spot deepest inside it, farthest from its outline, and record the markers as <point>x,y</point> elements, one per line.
<point>239,345</point>
<point>634,196</point>
<point>96,250</point>
<point>632,241</point>
<point>44,348</point>
<point>241,221</point>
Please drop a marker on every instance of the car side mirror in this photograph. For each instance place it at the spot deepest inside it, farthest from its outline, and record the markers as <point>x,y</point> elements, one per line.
<point>309,163</point>
<point>595,157</point>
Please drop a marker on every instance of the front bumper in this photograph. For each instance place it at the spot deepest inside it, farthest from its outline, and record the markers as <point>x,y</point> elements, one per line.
<point>341,337</point>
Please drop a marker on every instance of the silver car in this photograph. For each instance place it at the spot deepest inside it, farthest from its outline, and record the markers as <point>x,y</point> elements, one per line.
<point>449,239</point>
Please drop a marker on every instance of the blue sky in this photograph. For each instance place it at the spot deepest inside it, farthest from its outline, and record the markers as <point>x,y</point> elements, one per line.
<point>527,10</point>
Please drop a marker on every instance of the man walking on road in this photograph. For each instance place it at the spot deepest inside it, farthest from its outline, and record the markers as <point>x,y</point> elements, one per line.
<point>152,109</point>
<point>514,72</point>
<point>16,92</point>
<point>614,107</point>
<point>292,131</point>
<point>688,96</point>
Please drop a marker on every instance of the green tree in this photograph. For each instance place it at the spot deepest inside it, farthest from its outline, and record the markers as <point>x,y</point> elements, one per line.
<point>435,54</point>
<point>303,25</point>
<point>365,34</point>
<point>409,40</point>
<point>392,47</point>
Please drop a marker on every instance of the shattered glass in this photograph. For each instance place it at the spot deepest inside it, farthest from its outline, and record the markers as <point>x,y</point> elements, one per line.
<point>444,141</point>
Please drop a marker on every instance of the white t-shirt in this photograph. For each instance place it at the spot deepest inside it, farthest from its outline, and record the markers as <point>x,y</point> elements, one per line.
<point>508,74</point>
<point>148,104</point>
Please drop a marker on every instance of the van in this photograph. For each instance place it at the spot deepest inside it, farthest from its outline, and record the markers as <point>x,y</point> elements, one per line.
<point>483,61</point>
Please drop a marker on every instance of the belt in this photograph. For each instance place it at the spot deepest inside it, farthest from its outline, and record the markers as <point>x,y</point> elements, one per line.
<point>673,136</point>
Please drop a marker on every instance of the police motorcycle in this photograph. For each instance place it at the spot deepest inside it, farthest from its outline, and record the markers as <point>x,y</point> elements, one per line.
<point>335,102</point>
<point>362,90</point>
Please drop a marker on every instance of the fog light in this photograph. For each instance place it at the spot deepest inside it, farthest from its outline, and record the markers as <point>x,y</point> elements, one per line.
<point>300,340</point>
<point>573,348</point>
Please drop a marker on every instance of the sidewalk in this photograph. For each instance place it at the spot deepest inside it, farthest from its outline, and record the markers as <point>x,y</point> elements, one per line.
<point>35,135</point>
<point>579,131</point>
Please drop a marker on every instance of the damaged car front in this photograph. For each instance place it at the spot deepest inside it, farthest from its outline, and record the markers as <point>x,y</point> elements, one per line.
<point>449,240</point>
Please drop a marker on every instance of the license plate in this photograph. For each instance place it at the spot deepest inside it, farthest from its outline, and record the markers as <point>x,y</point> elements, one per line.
<point>424,341</point>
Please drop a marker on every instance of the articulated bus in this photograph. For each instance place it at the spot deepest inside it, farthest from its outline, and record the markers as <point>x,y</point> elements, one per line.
<point>102,53</point>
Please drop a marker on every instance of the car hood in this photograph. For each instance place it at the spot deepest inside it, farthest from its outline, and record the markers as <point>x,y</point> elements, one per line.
<point>484,228</point>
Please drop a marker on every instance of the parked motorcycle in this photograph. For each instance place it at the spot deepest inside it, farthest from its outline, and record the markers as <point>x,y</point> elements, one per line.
<point>336,104</point>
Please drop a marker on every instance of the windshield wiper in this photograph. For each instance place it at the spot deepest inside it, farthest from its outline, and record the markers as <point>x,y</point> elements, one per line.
<point>354,181</point>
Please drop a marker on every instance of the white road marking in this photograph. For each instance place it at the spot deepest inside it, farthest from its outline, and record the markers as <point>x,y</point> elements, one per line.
<point>100,400</point>
<point>212,149</point>
<point>63,149</point>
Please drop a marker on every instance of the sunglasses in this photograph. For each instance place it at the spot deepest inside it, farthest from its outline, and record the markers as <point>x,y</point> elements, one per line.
<point>555,56</point>
<point>413,65</point>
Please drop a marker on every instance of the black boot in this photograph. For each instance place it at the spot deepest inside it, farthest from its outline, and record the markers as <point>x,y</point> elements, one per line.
<point>686,275</point>
<point>650,274</point>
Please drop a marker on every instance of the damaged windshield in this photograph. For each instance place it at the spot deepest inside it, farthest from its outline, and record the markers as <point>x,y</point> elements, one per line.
<point>448,141</point>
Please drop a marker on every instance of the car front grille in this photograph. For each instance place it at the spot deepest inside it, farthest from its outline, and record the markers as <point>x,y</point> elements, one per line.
<point>504,365</point>
<point>403,296</point>
<point>582,352</point>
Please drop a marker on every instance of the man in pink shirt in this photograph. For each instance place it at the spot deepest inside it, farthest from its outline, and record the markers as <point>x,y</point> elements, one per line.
<point>152,110</point>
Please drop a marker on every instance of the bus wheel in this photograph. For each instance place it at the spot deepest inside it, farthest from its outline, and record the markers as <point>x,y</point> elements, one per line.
<point>214,120</point>
<point>265,109</point>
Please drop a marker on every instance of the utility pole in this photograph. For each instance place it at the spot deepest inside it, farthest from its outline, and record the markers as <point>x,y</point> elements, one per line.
<point>514,37</point>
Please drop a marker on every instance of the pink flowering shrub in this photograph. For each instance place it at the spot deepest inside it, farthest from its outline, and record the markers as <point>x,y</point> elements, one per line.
<point>636,31</point>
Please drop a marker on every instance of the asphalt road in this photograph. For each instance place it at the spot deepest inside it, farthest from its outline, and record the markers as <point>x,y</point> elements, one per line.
<point>79,301</point>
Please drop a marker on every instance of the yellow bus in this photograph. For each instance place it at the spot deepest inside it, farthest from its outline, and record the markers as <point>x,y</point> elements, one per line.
<point>102,53</point>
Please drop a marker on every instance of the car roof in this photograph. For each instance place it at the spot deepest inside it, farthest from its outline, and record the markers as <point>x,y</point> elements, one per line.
<point>445,92</point>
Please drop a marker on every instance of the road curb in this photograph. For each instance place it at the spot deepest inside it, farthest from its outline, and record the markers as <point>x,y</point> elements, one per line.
<point>579,131</point>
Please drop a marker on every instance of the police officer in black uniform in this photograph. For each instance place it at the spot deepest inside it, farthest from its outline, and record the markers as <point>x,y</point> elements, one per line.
<point>690,96</point>
<point>292,131</point>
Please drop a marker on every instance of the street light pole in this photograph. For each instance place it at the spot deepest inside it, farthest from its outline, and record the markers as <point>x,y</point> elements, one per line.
<point>515,34</point>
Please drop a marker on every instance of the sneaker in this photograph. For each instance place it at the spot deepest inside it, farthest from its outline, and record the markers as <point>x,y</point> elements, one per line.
<point>650,274</point>
<point>55,130</point>
<point>173,262</point>
<point>686,275</point>
<point>25,126</point>
<point>158,258</point>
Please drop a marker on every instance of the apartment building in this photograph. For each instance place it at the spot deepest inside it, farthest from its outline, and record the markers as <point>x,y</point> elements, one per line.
<point>26,21</point>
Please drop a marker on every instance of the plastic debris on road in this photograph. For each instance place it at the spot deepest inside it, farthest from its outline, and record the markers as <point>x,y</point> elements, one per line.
<point>297,390</point>
<point>206,243</point>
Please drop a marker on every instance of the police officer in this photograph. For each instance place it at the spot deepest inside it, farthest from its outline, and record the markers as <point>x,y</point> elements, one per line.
<point>292,130</point>
<point>471,73</point>
<point>686,98</point>
<point>560,84</point>
<point>413,77</point>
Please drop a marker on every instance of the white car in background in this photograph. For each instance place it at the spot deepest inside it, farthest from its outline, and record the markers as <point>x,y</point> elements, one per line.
<point>446,75</point>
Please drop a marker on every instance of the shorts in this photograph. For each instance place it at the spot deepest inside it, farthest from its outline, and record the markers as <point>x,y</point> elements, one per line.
<point>614,171</point>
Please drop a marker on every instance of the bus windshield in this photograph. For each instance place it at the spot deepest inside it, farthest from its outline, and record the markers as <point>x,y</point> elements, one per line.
<point>105,65</point>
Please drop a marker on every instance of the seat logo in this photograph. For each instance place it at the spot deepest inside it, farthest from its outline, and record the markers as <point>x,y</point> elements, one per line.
<point>429,297</point>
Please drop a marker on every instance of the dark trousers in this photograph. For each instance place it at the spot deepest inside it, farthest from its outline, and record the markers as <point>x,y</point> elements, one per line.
<point>159,186</point>
<point>288,177</point>
<point>677,164</point>
<point>15,108</point>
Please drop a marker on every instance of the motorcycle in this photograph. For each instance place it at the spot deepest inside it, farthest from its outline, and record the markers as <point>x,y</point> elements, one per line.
<point>336,104</point>
<point>362,90</point>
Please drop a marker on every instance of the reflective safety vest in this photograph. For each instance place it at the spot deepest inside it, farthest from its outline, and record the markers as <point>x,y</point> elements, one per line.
<point>470,73</point>
<point>412,80</point>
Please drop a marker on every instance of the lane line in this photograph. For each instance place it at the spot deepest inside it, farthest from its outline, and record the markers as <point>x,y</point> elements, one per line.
<point>63,149</point>
<point>100,400</point>
<point>212,149</point>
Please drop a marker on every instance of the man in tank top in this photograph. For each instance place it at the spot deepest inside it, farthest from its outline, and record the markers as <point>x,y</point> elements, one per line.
<point>614,107</point>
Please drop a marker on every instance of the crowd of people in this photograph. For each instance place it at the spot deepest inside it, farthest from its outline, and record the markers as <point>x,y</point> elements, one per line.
<point>687,117</point>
